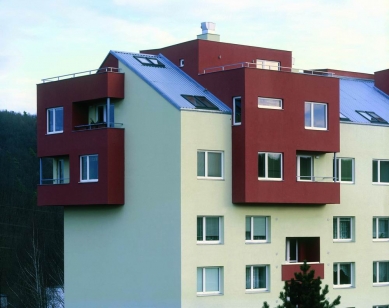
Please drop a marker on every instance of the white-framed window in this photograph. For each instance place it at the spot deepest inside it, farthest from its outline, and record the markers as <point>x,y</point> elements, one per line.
<point>381,228</point>
<point>292,249</point>
<point>380,171</point>
<point>343,229</point>
<point>257,229</point>
<point>345,170</point>
<point>55,120</point>
<point>269,103</point>
<point>381,273</point>
<point>89,168</point>
<point>381,306</point>
<point>269,166</point>
<point>304,168</point>
<point>209,280</point>
<point>209,229</point>
<point>257,278</point>
<point>268,65</point>
<point>237,110</point>
<point>343,275</point>
<point>101,114</point>
<point>315,116</point>
<point>210,164</point>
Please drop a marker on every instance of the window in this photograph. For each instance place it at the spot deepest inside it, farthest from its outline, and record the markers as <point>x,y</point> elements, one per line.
<point>268,65</point>
<point>343,229</point>
<point>257,230</point>
<point>200,102</point>
<point>269,166</point>
<point>237,110</point>
<point>270,103</point>
<point>381,228</point>
<point>381,272</point>
<point>55,120</point>
<point>315,115</point>
<point>89,168</point>
<point>371,116</point>
<point>182,62</point>
<point>299,249</point>
<point>344,170</point>
<point>209,230</point>
<point>380,171</point>
<point>148,61</point>
<point>210,164</point>
<point>304,168</point>
<point>343,275</point>
<point>101,116</point>
<point>209,280</point>
<point>257,278</point>
<point>381,306</point>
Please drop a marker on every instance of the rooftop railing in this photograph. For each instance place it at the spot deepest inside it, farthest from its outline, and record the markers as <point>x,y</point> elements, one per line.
<point>85,73</point>
<point>265,67</point>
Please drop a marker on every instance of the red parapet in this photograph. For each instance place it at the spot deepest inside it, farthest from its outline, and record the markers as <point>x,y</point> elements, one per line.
<point>288,270</point>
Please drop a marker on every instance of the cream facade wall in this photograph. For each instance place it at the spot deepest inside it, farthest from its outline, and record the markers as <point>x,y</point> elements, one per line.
<point>129,256</point>
<point>362,200</point>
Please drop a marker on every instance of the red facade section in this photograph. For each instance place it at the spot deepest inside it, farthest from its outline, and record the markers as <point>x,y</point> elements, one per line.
<point>381,80</point>
<point>288,270</point>
<point>75,96</point>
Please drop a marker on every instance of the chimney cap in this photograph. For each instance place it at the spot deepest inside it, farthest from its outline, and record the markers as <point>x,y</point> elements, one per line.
<point>208,27</point>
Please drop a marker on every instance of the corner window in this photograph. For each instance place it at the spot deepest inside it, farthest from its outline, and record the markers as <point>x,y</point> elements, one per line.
<point>237,111</point>
<point>209,230</point>
<point>257,229</point>
<point>381,273</point>
<point>304,168</point>
<point>209,280</point>
<point>269,166</point>
<point>343,275</point>
<point>210,164</point>
<point>315,116</point>
<point>257,278</point>
<point>344,170</point>
<point>89,168</point>
<point>380,171</point>
<point>269,103</point>
<point>381,228</point>
<point>55,120</point>
<point>343,229</point>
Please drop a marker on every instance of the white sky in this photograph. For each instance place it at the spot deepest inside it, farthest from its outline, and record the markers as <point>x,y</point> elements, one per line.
<point>43,38</point>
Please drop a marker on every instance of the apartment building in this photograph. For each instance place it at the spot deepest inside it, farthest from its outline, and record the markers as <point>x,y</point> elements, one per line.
<point>202,174</point>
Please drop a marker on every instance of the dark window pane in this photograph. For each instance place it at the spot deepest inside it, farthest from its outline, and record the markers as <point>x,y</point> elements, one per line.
<point>375,171</point>
<point>58,119</point>
<point>305,168</point>
<point>307,114</point>
<point>274,165</point>
<point>384,171</point>
<point>200,163</point>
<point>93,167</point>
<point>199,228</point>
<point>212,228</point>
<point>259,228</point>
<point>346,170</point>
<point>319,115</point>
<point>261,165</point>
<point>248,228</point>
<point>238,110</point>
<point>214,164</point>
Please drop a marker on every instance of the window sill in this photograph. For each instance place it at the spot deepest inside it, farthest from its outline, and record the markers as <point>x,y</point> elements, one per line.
<point>254,291</point>
<point>381,284</point>
<point>344,182</point>
<point>54,133</point>
<point>346,286</point>
<point>257,242</point>
<point>380,239</point>
<point>316,128</point>
<point>209,243</point>
<point>343,240</point>
<point>272,108</point>
<point>90,181</point>
<point>380,184</point>
<point>236,124</point>
<point>209,294</point>
<point>210,178</point>
<point>270,179</point>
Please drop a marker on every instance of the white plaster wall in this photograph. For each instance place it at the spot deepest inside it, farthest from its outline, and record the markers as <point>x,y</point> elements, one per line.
<point>129,256</point>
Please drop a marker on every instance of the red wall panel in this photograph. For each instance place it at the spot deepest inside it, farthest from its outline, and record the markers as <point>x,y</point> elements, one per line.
<point>381,80</point>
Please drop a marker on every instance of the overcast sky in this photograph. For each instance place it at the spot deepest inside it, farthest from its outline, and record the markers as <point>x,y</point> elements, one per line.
<point>40,39</point>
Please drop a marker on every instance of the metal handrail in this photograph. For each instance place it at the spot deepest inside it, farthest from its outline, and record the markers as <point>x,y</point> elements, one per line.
<point>84,73</point>
<point>314,178</point>
<point>96,125</point>
<point>55,181</point>
<point>266,67</point>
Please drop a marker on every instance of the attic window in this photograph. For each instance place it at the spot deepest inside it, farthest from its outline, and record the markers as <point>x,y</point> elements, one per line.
<point>149,61</point>
<point>343,117</point>
<point>200,102</point>
<point>371,116</point>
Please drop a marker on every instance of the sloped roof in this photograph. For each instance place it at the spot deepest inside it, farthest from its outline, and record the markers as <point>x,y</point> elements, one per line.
<point>362,95</point>
<point>169,80</point>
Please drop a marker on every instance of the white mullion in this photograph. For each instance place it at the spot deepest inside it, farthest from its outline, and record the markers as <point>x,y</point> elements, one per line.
<point>204,290</point>
<point>338,228</point>
<point>378,171</point>
<point>376,227</point>
<point>204,229</point>
<point>266,167</point>
<point>87,167</point>
<point>252,277</point>
<point>206,163</point>
<point>252,228</point>
<point>288,250</point>
<point>377,272</point>
<point>54,109</point>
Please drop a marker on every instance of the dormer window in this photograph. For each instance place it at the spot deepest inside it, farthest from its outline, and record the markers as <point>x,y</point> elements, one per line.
<point>371,116</point>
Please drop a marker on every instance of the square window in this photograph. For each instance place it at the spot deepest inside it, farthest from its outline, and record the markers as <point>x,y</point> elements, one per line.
<point>343,275</point>
<point>257,229</point>
<point>237,111</point>
<point>55,120</point>
<point>89,168</point>
<point>380,171</point>
<point>268,65</point>
<point>381,228</point>
<point>269,166</point>
<point>304,168</point>
<point>209,280</point>
<point>209,229</point>
<point>210,164</point>
<point>343,229</point>
<point>269,103</point>
<point>381,273</point>
<point>315,116</point>
<point>257,278</point>
<point>344,170</point>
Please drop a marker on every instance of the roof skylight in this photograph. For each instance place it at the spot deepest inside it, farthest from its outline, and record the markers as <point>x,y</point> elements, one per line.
<point>371,116</point>
<point>343,117</point>
<point>149,61</point>
<point>200,102</point>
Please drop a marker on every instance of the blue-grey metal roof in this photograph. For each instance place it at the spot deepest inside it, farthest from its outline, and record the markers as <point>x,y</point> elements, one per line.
<point>362,95</point>
<point>170,81</point>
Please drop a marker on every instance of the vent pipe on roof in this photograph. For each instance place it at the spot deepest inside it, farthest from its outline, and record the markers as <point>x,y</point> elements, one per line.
<point>208,32</point>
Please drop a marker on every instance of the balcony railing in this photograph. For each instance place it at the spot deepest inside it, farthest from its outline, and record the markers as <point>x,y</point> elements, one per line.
<point>54,181</point>
<point>265,67</point>
<point>85,73</point>
<point>314,178</point>
<point>97,126</point>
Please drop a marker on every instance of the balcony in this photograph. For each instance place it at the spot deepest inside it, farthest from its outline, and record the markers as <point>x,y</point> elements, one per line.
<point>288,270</point>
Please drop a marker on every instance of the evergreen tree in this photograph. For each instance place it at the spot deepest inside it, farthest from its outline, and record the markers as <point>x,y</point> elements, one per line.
<point>303,291</point>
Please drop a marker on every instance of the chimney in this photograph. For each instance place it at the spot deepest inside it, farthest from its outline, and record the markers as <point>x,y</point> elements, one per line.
<point>208,32</point>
